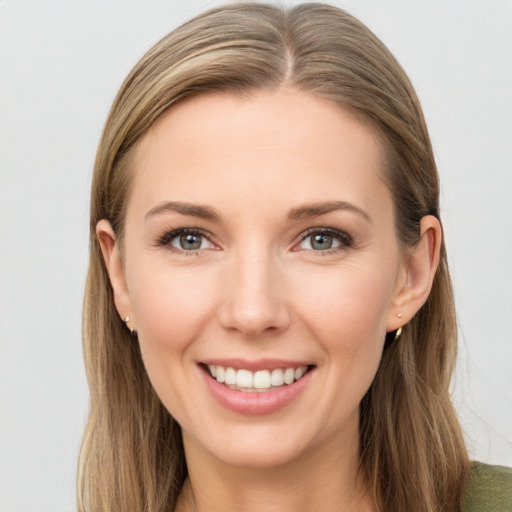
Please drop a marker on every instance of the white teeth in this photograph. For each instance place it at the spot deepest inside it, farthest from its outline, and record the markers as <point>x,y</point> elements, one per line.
<point>230,376</point>
<point>277,377</point>
<point>261,380</point>
<point>244,379</point>
<point>289,375</point>
<point>299,372</point>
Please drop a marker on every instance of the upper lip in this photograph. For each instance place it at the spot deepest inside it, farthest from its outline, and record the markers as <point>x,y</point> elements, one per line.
<point>254,365</point>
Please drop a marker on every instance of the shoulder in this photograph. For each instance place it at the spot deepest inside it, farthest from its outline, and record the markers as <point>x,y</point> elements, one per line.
<point>489,489</point>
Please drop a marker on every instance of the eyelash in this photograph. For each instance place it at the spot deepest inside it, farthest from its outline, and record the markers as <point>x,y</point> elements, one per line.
<point>344,238</point>
<point>166,238</point>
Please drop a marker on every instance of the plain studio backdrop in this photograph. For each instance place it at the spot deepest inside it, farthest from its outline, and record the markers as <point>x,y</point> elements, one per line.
<point>62,62</point>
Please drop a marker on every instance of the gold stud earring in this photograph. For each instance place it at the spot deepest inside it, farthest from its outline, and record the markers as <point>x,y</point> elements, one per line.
<point>399,330</point>
<point>133,332</point>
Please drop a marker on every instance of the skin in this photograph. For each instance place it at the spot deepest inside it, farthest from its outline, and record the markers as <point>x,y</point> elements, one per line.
<point>257,288</point>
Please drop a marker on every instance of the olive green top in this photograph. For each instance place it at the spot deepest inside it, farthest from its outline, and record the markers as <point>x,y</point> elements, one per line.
<point>489,490</point>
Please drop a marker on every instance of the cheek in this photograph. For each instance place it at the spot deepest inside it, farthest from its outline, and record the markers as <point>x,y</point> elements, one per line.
<point>346,316</point>
<point>348,306</point>
<point>349,320</point>
<point>171,309</point>
<point>170,305</point>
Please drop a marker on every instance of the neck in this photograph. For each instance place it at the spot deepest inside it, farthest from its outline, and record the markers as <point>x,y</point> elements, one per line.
<point>325,480</point>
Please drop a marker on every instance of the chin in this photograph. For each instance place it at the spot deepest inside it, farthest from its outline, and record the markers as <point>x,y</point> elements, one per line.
<point>255,446</point>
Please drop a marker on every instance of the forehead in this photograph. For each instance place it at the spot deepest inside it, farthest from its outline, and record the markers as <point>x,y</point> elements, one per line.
<point>280,146</point>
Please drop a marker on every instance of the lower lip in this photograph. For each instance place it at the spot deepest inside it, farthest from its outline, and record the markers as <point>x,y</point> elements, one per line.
<point>256,403</point>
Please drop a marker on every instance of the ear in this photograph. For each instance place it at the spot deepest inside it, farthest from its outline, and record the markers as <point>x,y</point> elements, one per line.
<point>115,269</point>
<point>420,266</point>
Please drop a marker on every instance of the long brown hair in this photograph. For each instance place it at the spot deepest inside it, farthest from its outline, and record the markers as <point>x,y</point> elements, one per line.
<point>412,449</point>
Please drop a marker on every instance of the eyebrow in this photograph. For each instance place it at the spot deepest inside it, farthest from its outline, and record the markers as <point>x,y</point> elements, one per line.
<point>317,209</point>
<point>303,212</point>
<point>194,210</point>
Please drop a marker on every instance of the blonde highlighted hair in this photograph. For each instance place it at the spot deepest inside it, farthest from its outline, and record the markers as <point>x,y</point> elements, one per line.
<point>412,451</point>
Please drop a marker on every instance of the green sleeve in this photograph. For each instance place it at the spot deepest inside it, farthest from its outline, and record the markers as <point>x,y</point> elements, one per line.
<point>489,489</point>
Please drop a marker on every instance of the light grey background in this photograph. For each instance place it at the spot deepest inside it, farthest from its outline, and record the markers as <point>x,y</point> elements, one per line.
<point>61,65</point>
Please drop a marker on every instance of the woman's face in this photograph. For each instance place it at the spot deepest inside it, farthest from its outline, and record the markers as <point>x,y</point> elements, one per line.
<point>260,244</point>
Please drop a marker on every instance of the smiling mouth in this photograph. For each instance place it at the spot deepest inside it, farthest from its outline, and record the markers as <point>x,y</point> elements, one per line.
<point>256,382</point>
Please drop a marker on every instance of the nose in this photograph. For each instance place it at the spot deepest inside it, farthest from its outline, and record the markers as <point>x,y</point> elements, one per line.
<point>253,302</point>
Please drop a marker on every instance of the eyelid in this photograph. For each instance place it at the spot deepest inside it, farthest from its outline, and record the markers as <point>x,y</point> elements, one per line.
<point>165,239</point>
<point>345,239</point>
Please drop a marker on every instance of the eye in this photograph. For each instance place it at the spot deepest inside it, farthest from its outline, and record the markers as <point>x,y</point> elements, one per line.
<point>186,240</point>
<point>325,240</point>
<point>189,242</point>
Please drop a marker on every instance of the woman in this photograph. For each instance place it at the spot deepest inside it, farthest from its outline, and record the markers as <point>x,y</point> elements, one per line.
<point>269,318</point>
